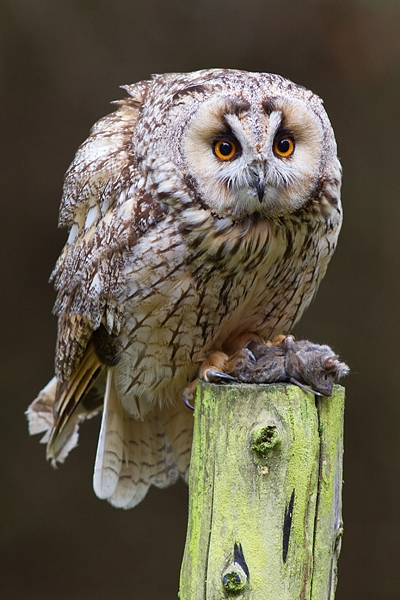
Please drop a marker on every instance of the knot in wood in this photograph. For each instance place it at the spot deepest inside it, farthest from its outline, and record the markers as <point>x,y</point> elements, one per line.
<point>264,439</point>
<point>234,579</point>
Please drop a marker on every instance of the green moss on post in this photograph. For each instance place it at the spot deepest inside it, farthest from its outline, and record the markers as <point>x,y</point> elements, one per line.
<point>265,494</point>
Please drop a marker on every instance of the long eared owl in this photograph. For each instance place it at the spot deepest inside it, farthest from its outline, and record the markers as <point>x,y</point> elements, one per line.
<point>202,213</point>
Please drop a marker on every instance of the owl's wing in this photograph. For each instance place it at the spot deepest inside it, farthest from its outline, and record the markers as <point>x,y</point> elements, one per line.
<point>106,216</point>
<point>41,417</point>
<point>98,201</point>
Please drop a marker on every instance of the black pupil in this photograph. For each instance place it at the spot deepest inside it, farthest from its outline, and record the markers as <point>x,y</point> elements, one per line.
<point>225,148</point>
<point>284,146</point>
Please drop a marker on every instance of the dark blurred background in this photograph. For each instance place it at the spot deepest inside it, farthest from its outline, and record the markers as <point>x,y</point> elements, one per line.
<point>61,62</point>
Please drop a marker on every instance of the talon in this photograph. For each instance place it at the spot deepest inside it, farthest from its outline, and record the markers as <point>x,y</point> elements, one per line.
<point>251,356</point>
<point>187,403</point>
<point>214,376</point>
<point>188,394</point>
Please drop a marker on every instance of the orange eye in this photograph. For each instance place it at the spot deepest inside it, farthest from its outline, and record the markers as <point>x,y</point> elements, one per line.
<point>284,147</point>
<point>225,149</point>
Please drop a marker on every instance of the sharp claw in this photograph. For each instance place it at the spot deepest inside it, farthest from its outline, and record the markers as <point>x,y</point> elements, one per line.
<point>218,377</point>
<point>304,387</point>
<point>251,356</point>
<point>187,403</point>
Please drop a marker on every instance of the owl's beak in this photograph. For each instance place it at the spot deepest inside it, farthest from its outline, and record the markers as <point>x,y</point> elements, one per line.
<point>259,180</point>
<point>260,187</point>
<point>258,177</point>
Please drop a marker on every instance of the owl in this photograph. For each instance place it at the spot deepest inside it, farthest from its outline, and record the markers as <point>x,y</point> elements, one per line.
<point>202,214</point>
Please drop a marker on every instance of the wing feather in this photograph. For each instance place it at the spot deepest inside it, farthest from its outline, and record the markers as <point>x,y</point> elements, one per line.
<point>69,407</point>
<point>106,214</point>
<point>43,418</point>
<point>95,184</point>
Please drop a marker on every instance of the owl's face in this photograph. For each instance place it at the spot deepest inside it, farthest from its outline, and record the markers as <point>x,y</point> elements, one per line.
<point>254,159</point>
<point>241,143</point>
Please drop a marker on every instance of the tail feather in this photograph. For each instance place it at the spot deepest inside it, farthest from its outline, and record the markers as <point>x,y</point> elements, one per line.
<point>132,454</point>
<point>165,472</point>
<point>138,465</point>
<point>178,426</point>
<point>110,448</point>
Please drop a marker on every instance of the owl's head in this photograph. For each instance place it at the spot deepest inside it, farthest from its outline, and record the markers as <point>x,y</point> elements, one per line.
<point>248,143</point>
<point>242,144</point>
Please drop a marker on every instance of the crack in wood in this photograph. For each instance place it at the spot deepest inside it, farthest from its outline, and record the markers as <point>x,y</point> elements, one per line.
<point>320,461</point>
<point>287,525</point>
<point>238,557</point>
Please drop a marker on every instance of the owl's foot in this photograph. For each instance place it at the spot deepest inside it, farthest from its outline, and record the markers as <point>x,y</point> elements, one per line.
<point>212,370</point>
<point>249,348</point>
<point>281,340</point>
<point>244,340</point>
<point>219,367</point>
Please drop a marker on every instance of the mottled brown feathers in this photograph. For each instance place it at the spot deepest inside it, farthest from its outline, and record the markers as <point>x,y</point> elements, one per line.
<point>173,252</point>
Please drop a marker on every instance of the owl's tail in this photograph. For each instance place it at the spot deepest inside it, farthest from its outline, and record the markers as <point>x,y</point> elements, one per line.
<point>132,454</point>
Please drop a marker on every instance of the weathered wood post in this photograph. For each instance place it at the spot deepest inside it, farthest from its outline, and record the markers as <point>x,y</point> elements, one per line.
<point>265,518</point>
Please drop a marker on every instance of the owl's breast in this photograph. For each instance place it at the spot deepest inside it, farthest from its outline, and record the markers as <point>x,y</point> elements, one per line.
<point>260,276</point>
<point>182,300</point>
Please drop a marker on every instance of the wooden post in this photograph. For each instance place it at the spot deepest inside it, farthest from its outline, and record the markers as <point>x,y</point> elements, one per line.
<point>265,485</point>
